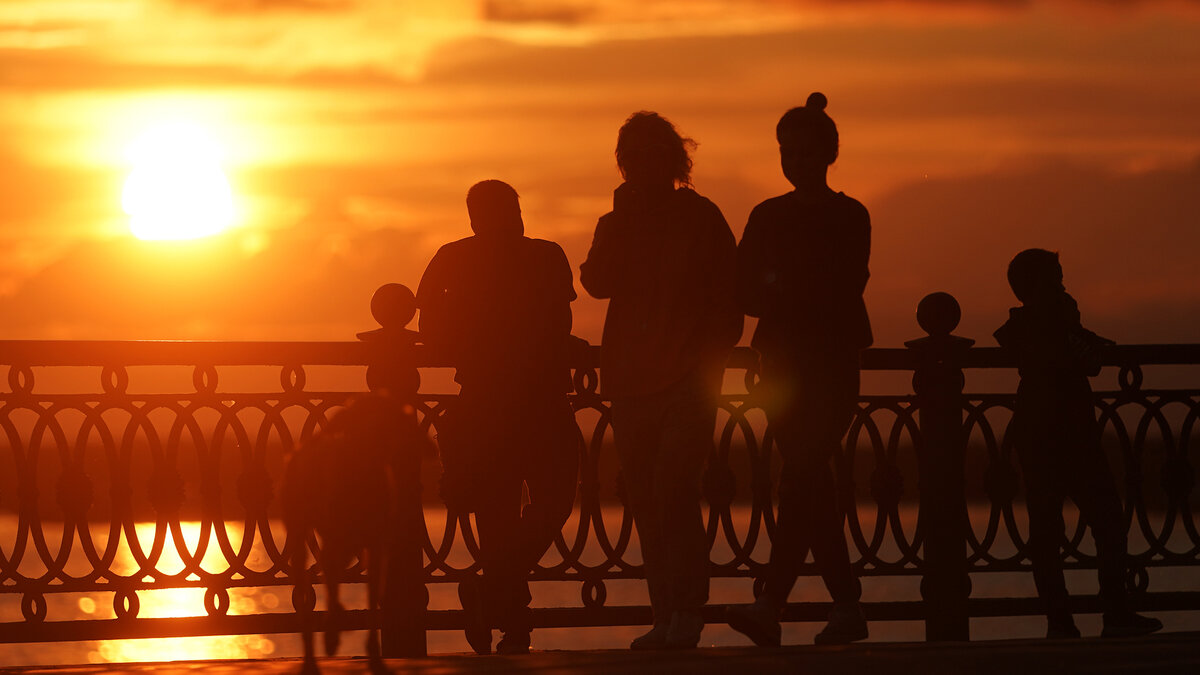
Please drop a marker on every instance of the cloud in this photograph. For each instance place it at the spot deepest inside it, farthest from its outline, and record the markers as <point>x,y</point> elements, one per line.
<point>250,6</point>
<point>287,38</point>
<point>535,11</point>
<point>311,281</point>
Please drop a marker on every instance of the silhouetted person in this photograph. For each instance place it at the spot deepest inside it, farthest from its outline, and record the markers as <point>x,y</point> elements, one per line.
<point>665,258</point>
<point>1057,440</point>
<point>498,304</point>
<point>802,268</point>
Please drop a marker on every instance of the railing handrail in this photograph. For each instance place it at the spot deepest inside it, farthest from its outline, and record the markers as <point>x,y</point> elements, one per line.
<point>352,353</point>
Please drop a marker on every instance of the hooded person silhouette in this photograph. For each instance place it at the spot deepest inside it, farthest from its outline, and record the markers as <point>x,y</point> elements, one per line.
<point>1057,440</point>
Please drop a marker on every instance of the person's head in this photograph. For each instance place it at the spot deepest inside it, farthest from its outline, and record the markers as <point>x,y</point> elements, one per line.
<point>808,141</point>
<point>1035,275</point>
<point>650,151</point>
<point>494,209</point>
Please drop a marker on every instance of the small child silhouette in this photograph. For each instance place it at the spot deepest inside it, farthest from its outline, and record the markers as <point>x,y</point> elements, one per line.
<point>1057,440</point>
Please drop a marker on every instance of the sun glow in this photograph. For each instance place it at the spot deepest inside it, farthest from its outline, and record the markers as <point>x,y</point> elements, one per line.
<point>176,189</point>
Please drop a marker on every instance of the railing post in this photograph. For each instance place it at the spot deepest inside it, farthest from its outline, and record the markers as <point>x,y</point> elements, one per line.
<point>943,520</point>
<point>392,373</point>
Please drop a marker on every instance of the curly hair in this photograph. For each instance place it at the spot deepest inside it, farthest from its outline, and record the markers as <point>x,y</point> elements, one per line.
<point>648,136</point>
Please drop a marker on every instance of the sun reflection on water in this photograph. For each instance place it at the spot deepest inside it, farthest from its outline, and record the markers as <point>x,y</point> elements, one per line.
<point>181,602</point>
<point>182,649</point>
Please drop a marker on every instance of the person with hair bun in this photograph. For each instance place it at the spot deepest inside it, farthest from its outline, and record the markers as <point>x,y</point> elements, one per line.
<point>802,268</point>
<point>666,260</point>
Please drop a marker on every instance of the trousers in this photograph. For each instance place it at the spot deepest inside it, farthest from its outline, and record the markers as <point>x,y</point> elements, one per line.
<point>663,441</point>
<point>1060,457</point>
<point>519,447</point>
<point>809,404</point>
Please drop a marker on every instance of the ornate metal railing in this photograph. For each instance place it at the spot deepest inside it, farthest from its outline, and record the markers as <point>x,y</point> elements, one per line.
<point>96,486</point>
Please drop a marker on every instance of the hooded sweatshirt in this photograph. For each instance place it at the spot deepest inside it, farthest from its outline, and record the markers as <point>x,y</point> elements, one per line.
<point>1055,356</point>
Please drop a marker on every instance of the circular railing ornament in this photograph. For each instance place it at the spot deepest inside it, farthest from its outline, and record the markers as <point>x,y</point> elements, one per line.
<point>938,313</point>
<point>216,601</point>
<point>33,607</point>
<point>126,604</point>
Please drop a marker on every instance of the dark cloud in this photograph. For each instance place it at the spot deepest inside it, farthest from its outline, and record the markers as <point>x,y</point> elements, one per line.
<point>942,4</point>
<point>537,11</point>
<point>930,53</point>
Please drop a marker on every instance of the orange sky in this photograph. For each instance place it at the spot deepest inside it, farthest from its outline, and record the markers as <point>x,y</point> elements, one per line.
<point>352,129</point>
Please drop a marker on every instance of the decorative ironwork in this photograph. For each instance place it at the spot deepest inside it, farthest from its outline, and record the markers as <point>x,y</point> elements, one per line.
<point>214,456</point>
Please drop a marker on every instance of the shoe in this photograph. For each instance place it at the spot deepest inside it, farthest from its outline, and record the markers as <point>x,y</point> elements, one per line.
<point>759,622</point>
<point>846,624</point>
<point>1061,628</point>
<point>655,639</point>
<point>513,642</point>
<point>476,628</point>
<point>684,630</point>
<point>1129,624</point>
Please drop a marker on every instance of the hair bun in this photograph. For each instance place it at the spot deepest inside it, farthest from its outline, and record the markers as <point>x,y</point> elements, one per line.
<point>816,100</point>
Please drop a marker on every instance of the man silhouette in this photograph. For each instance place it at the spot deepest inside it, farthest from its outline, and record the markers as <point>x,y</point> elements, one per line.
<point>498,306</point>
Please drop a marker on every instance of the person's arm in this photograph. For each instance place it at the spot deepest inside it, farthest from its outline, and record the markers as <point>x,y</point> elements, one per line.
<point>724,320</point>
<point>1084,348</point>
<point>757,277</point>
<point>858,252</point>
<point>1036,339</point>
<point>848,268</point>
<point>600,273</point>
<point>563,294</point>
<point>433,302</point>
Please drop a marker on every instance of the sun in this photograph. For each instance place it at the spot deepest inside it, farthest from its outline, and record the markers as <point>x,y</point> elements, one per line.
<point>176,189</point>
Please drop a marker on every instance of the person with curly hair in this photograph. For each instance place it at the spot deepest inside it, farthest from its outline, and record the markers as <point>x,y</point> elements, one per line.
<point>665,259</point>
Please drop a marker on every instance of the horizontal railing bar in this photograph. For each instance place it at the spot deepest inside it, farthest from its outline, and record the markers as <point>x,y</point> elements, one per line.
<point>543,617</point>
<point>546,617</point>
<point>188,352</point>
<point>1164,601</point>
<point>259,353</point>
<point>238,353</point>
<point>204,399</point>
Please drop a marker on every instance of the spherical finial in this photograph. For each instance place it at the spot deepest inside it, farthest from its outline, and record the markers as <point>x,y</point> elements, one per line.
<point>816,100</point>
<point>393,306</point>
<point>938,313</point>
